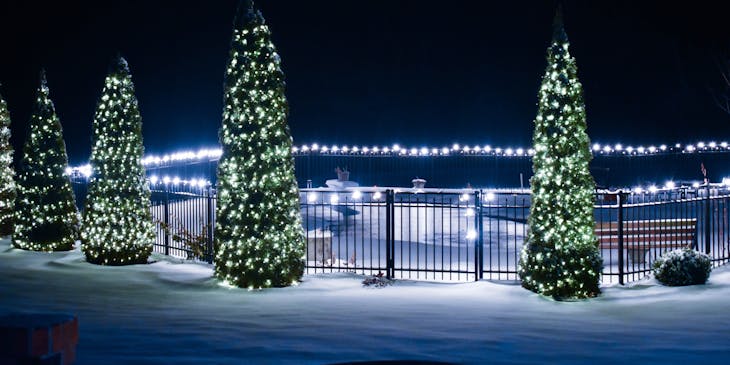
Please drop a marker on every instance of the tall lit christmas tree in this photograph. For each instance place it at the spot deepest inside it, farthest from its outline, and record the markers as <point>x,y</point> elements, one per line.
<point>258,232</point>
<point>561,258</point>
<point>46,218</point>
<point>7,184</point>
<point>117,225</point>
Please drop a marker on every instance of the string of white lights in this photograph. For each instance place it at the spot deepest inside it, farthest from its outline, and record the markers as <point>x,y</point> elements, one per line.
<point>85,171</point>
<point>213,154</point>
<point>176,180</point>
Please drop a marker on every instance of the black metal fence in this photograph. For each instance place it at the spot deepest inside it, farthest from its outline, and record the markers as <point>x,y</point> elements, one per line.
<point>456,234</point>
<point>184,218</point>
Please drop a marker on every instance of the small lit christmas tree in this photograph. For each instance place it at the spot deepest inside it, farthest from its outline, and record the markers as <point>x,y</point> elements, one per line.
<point>561,258</point>
<point>7,184</point>
<point>46,218</point>
<point>117,225</point>
<point>258,232</point>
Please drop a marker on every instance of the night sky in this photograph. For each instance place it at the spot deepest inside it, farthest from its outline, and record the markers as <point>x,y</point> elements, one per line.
<point>412,72</point>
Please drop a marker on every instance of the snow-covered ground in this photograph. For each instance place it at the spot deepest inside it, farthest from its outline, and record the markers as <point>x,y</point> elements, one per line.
<point>174,312</point>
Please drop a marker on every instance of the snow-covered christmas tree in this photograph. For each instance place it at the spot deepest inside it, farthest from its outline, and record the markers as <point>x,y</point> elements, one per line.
<point>258,232</point>
<point>561,257</point>
<point>46,218</point>
<point>7,184</point>
<point>117,225</point>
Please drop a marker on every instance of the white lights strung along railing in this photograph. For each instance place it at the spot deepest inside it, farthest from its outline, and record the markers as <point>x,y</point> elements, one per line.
<point>156,181</point>
<point>210,154</point>
<point>213,154</point>
<point>83,170</point>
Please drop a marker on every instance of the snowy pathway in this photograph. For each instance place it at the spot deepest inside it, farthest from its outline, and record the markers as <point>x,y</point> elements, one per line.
<point>171,312</point>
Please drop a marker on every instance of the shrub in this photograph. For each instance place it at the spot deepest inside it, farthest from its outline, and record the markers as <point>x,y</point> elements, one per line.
<point>682,267</point>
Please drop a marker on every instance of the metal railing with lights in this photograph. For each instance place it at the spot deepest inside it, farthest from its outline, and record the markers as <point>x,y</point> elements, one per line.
<point>613,165</point>
<point>451,234</point>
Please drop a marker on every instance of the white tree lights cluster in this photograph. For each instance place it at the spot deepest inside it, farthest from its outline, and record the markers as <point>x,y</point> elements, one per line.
<point>258,232</point>
<point>117,224</point>
<point>560,257</point>
<point>7,185</point>
<point>46,218</point>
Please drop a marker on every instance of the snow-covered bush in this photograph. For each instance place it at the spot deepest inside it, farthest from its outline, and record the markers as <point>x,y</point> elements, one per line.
<point>682,267</point>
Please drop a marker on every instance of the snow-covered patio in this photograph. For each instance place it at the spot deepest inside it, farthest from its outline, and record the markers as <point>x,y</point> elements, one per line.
<point>174,312</point>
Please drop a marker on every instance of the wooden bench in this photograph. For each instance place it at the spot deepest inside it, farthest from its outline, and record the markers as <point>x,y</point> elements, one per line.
<point>642,235</point>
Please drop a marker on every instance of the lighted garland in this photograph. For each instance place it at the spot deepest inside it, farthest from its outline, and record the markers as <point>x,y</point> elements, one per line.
<point>46,218</point>
<point>560,258</point>
<point>258,232</point>
<point>7,184</point>
<point>117,225</point>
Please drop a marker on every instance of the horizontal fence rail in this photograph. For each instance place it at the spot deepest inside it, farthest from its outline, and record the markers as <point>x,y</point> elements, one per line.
<point>314,168</point>
<point>457,234</point>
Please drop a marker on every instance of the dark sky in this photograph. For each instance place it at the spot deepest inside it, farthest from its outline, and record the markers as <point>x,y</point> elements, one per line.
<point>414,72</point>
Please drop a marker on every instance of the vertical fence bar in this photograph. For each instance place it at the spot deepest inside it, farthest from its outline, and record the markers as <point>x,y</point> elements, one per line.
<point>476,238</point>
<point>480,234</point>
<point>620,199</point>
<point>707,220</point>
<point>166,220</point>
<point>211,226</point>
<point>389,234</point>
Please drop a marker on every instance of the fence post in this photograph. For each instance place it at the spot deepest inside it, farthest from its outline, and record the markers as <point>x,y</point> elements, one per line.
<point>708,220</point>
<point>620,222</point>
<point>478,240</point>
<point>166,221</point>
<point>389,234</point>
<point>211,226</point>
